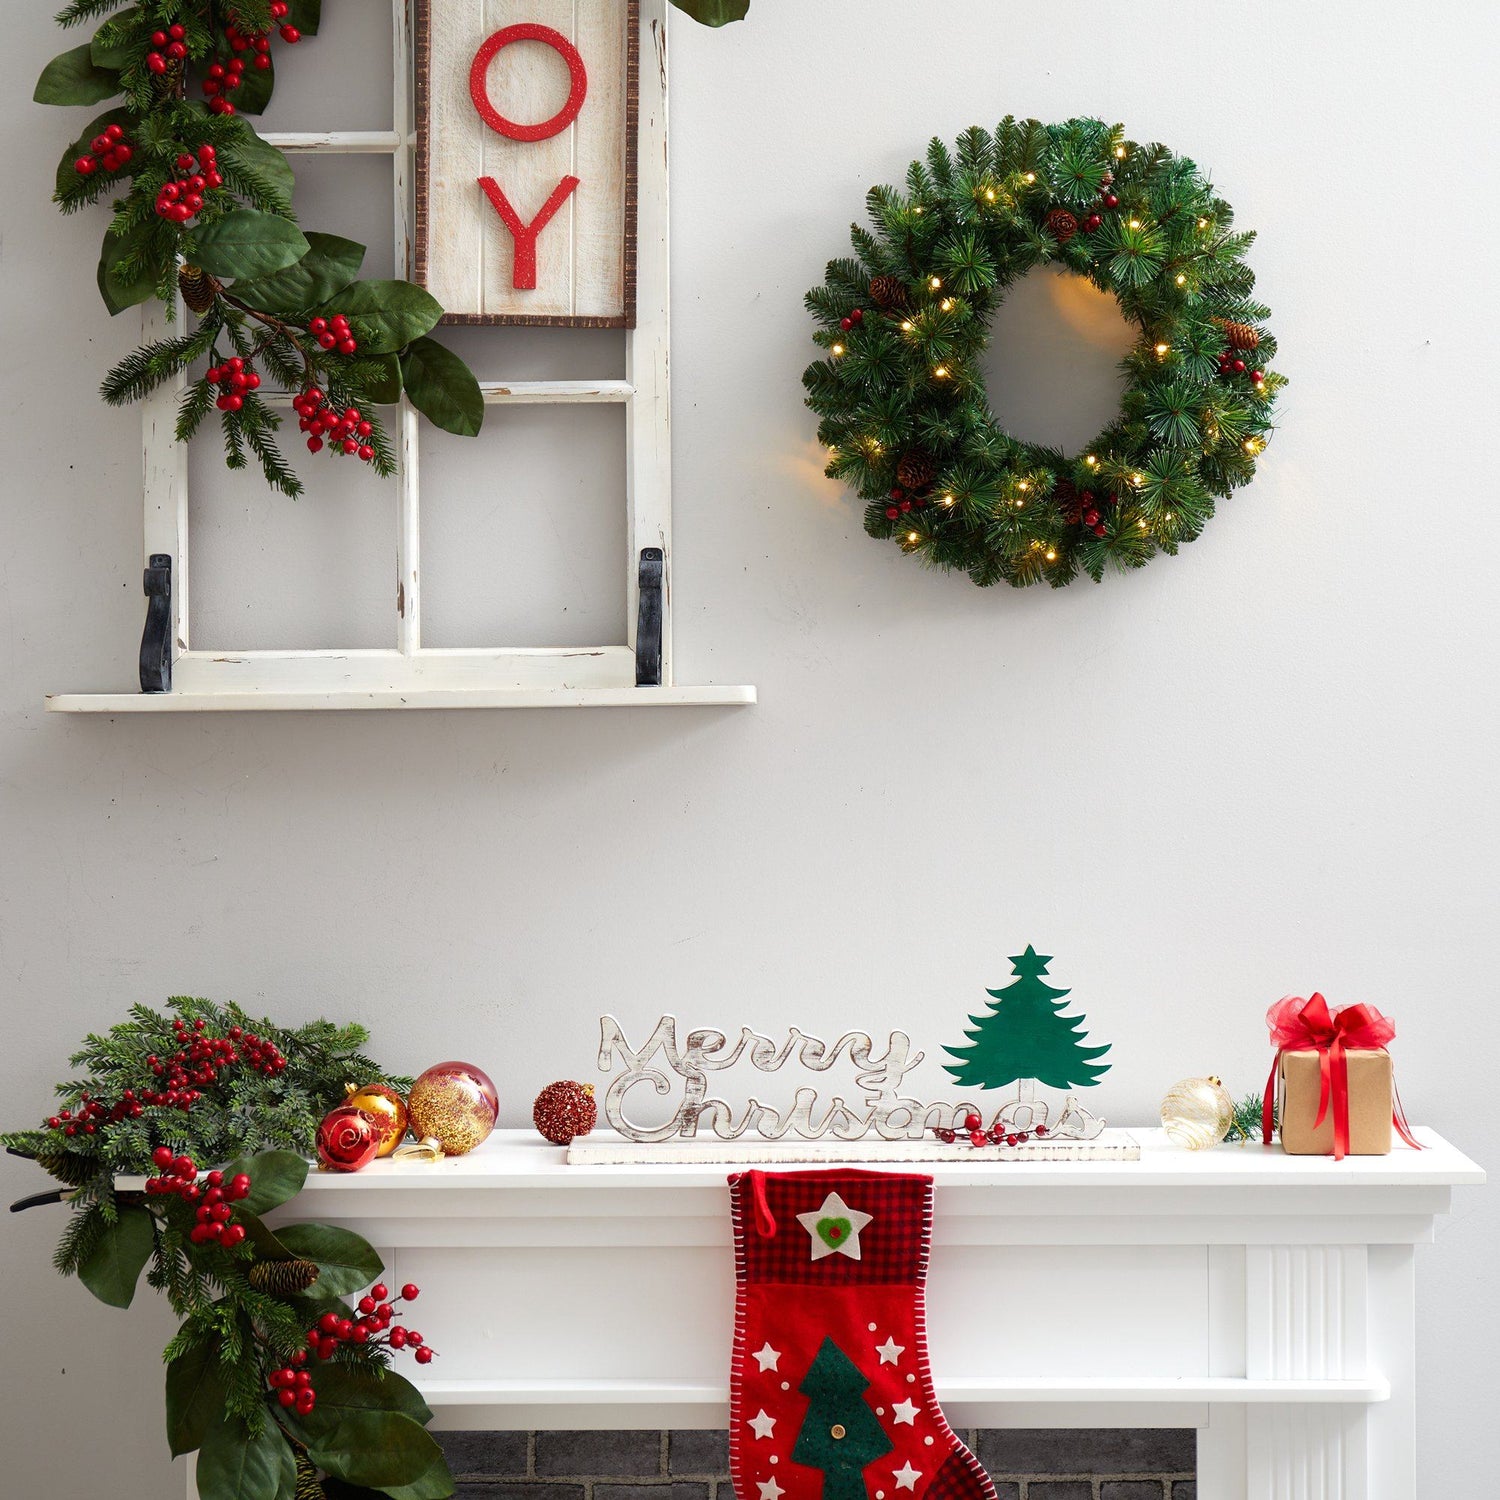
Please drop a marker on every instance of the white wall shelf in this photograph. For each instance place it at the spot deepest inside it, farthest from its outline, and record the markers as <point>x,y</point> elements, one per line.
<point>262,701</point>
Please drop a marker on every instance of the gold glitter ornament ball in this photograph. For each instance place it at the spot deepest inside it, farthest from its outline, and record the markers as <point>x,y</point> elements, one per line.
<point>385,1106</point>
<point>1197,1113</point>
<point>455,1103</point>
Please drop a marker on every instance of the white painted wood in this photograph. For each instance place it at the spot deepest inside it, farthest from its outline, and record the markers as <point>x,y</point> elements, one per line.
<point>164,476</point>
<point>581,253</point>
<point>346,142</point>
<point>648,430</point>
<point>1119,1293</point>
<point>606,1148</point>
<point>277,701</point>
<point>555,392</point>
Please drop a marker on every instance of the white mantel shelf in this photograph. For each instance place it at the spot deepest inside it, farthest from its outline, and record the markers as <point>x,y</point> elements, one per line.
<point>1267,1301</point>
<point>359,700</point>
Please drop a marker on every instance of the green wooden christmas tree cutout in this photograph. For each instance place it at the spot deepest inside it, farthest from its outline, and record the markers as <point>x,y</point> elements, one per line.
<point>840,1434</point>
<point>1024,1035</point>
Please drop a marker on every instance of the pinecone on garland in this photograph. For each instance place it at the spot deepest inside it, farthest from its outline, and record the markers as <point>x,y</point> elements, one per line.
<point>283,1278</point>
<point>888,293</point>
<point>68,1168</point>
<point>916,470</point>
<point>1239,335</point>
<point>198,288</point>
<point>1062,224</point>
<point>309,1486</point>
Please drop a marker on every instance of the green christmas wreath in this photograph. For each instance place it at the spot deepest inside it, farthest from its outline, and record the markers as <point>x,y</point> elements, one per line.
<point>902,399</point>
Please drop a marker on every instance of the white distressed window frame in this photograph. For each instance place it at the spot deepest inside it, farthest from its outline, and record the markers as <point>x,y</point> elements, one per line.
<point>411,675</point>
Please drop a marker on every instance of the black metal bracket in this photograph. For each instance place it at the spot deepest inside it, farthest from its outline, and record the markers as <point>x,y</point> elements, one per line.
<point>156,639</point>
<point>649,615</point>
<point>38,1200</point>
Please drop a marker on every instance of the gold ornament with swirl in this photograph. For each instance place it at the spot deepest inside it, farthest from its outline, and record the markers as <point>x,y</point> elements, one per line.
<point>1197,1113</point>
<point>385,1106</point>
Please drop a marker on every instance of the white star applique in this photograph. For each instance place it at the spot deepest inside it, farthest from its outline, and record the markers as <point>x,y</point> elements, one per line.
<point>834,1228</point>
<point>766,1356</point>
<point>905,1411</point>
<point>769,1489</point>
<point>906,1477</point>
<point>890,1352</point>
<point>763,1424</point>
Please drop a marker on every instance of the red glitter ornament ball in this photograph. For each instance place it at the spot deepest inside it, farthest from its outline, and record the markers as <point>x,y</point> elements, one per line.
<point>563,1111</point>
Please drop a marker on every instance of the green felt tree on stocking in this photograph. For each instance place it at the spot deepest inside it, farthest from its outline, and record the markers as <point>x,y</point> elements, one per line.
<point>1024,1035</point>
<point>840,1434</point>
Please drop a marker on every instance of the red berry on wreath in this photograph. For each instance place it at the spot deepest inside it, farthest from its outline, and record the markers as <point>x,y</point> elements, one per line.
<point>85,166</point>
<point>564,1111</point>
<point>411,1291</point>
<point>892,512</point>
<point>424,1356</point>
<point>1238,366</point>
<point>857,315</point>
<point>290,35</point>
<point>846,324</point>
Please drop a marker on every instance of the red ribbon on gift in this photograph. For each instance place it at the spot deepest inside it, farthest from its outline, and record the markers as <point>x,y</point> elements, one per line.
<point>1299,1025</point>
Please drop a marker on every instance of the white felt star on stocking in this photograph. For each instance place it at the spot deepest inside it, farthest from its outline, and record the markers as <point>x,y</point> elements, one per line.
<point>834,1228</point>
<point>766,1356</point>
<point>763,1424</point>
<point>905,1411</point>
<point>890,1352</point>
<point>906,1477</point>
<point>769,1489</point>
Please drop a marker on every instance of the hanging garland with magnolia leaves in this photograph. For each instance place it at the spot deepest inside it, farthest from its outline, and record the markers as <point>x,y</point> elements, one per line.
<point>902,399</point>
<point>202,206</point>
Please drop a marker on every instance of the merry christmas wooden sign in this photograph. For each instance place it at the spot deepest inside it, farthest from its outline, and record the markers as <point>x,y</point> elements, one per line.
<point>526,182</point>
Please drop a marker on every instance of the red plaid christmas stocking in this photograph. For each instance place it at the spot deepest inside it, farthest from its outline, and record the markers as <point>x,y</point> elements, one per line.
<point>831,1396</point>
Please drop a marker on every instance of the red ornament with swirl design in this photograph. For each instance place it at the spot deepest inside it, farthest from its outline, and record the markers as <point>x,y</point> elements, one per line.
<point>348,1139</point>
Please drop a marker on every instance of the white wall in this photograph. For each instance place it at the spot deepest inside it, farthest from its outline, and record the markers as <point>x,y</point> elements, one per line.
<point>1266,765</point>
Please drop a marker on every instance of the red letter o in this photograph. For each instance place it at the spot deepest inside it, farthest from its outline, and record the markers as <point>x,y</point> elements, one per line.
<point>479,82</point>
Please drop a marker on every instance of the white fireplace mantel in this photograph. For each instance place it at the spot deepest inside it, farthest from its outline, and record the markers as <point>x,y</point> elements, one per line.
<point>1266,1300</point>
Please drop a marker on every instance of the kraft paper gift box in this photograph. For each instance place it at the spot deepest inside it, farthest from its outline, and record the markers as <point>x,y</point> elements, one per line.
<point>1371,1097</point>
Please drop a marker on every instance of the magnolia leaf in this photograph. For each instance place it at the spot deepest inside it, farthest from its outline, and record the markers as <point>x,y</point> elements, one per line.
<point>345,1261</point>
<point>275,1176</point>
<point>385,316</point>
<point>115,1264</point>
<point>117,54</point>
<point>245,148</point>
<point>328,267</point>
<point>714,12</point>
<point>234,1464</point>
<point>435,1484</point>
<point>305,15</point>
<point>256,87</point>
<point>72,78</point>
<point>247,243</point>
<point>381,1449</point>
<point>442,387</point>
<point>369,1388</point>
<point>381,377</point>
<point>268,1246</point>
<point>195,1396</point>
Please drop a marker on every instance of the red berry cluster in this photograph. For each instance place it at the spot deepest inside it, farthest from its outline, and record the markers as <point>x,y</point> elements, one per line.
<point>234,377</point>
<point>182,197</point>
<point>167,47</point>
<point>201,1058</point>
<point>221,79</point>
<point>109,149</point>
<point>1107,199</point>
<point>1089,514</point>
<point>855,318</point>
<point>346,431</point>
<point>901,503</point>
<point>1231,363</point>
<point>179,1179</point>
<point>92,1112</point>
<point>996,1135</point>
<point>293,1384</point>
<point>377,1312</point>
<point>333,333</point>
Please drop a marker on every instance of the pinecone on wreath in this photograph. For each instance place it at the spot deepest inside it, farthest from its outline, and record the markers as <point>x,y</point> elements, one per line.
<point>309,1486</point>
<point>916,470</point>
<point>1062,224</point>
<point>1239,335</point>
<point>888,293</point>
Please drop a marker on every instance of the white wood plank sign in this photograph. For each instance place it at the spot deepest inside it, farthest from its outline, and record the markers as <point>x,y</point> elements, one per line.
<point>526,160</point>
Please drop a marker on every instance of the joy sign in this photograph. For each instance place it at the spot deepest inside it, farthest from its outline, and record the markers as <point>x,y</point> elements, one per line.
<point>526,115</point>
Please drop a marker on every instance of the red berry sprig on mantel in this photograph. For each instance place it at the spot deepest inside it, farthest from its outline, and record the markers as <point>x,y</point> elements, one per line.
<point>181,199</point>
<point>109,149</point>
<point>213,1197</point>
<point>373,1327</point>
<point>347,432</point>
<point>978,1136</point>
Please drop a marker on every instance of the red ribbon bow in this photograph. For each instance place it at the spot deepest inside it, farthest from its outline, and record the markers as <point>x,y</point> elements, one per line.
<point>1299,1025</point>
